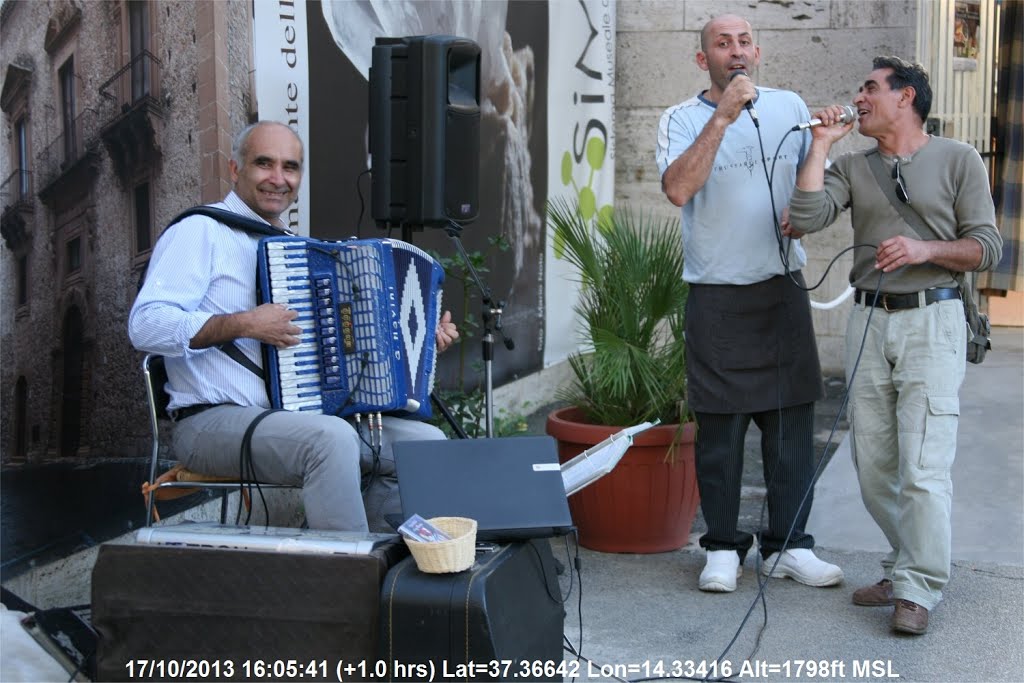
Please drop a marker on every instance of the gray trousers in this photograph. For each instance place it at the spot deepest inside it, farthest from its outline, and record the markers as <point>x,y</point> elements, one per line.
<point>322,454</point>
<point>903,410</point>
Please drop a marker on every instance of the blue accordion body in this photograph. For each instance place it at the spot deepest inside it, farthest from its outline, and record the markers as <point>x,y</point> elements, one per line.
<point>368,310</point>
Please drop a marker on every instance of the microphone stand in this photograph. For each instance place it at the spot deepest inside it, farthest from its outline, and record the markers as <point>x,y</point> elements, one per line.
<point>491,312</point>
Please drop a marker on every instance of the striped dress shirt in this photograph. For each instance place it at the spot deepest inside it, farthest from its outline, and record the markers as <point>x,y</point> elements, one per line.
<point>200,268</point>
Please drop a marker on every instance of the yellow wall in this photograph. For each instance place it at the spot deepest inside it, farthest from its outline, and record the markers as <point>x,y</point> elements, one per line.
<point>1008,310</point>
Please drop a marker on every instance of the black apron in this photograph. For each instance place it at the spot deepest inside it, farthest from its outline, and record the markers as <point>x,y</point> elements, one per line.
<point>750,348</point>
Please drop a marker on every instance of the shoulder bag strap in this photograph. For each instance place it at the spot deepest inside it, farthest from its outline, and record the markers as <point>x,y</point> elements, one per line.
<point>909,215</point>
<point>977,337</point>
<point>906,212</point>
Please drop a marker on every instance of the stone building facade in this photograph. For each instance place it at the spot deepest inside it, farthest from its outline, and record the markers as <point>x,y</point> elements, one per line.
<point>820,49</point>
<point>117,116</point>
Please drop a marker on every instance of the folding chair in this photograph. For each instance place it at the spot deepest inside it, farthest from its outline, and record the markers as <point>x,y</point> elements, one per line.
<point>178,481</point>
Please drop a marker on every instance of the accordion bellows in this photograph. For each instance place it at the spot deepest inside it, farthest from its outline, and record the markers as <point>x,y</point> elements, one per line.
<point>368,310</point>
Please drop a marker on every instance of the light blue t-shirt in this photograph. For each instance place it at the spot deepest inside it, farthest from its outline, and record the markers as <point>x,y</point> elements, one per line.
<point>728,232</point>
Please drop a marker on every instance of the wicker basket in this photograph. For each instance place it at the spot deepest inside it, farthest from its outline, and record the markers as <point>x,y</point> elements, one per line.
<point>445,557</point>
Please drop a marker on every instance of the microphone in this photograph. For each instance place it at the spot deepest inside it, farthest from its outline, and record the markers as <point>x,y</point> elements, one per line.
<point>849,115</point>
<point>749,104</point>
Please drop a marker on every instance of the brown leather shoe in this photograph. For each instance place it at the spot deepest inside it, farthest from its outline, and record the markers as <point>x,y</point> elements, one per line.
<point>877,595</point>
<point>909,617</point>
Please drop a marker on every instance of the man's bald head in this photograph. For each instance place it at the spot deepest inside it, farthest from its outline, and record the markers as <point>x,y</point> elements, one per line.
<point>711,28</point>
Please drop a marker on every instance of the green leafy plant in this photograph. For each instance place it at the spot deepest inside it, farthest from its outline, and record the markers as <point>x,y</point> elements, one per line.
<point>468,410</point>
<point>467,405</point>
<point>632,305</point>
<point>458,274</point>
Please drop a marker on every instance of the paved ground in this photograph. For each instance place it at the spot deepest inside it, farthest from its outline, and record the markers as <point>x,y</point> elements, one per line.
<point>643,616</point>
<point>642,611</point>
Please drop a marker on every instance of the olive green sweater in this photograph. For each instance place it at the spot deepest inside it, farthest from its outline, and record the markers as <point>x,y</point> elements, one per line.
<point>948,186</point>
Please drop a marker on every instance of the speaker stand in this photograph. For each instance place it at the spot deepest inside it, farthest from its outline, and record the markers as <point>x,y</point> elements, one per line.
<point>407,231</point>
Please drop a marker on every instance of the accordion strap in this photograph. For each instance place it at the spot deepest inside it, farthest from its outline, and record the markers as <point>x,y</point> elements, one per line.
<point>238,222</point>
<point>236,354</point>
<point>232,220</point>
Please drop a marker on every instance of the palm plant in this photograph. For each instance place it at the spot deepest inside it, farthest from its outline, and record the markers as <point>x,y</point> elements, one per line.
<point>632,305</point>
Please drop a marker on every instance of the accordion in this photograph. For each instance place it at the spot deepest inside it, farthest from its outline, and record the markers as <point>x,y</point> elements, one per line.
<point>368,310</point>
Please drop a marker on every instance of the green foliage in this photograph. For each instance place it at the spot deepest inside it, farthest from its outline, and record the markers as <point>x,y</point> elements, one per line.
<point>456,271</point>
<point>467,407</point>
<point>469,411</point>
<point>632,304</point>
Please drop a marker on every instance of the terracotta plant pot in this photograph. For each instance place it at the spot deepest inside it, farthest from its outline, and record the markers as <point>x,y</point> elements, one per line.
<point>646,504</point>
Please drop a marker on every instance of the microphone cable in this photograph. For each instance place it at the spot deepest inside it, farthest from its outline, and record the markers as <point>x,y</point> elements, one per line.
<point>784,257</point>
<point>779,237</point>
<point>762,581</point>
<point>575,567</point>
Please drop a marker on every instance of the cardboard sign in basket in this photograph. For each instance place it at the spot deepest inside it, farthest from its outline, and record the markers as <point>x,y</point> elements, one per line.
<point>449,556</point>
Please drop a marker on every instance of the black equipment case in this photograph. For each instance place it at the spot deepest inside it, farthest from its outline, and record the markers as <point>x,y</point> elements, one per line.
<point>219,613</point>
<point>502,619</point>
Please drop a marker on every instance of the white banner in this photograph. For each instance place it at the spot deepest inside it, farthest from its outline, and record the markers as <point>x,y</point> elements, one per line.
<point>282,82</point>
<point>581,145</point>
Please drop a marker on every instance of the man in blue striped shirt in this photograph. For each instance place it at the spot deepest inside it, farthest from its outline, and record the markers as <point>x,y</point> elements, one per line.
<point>200,292</point>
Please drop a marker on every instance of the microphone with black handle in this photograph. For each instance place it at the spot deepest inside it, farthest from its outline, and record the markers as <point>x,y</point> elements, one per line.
<point>849,115</point>
<point>749,104</point>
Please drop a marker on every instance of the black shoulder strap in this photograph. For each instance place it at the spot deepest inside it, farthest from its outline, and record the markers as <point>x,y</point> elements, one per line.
<point>909,215</point>
<point>906,212</point>
<point>233,220</point>
<point>230,219</point>
<point>237,355</point>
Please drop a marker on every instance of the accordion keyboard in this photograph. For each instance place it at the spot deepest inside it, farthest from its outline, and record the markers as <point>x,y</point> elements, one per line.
<point>367,310</point>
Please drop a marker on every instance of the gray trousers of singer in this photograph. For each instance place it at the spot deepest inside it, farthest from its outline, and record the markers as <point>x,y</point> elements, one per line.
<point>321,453</point>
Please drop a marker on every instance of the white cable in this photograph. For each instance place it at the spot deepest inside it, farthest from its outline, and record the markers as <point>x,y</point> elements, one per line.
<point>835,302</point>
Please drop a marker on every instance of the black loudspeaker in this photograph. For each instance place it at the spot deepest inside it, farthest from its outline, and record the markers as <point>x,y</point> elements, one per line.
<point>166,612</point>
<point>425,130</point>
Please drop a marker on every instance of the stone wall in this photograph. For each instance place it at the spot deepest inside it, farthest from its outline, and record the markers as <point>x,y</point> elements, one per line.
<point>821,49</point>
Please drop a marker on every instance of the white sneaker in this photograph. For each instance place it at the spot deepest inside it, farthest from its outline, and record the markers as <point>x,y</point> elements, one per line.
<point>721,571</point>
<point>800,564</point>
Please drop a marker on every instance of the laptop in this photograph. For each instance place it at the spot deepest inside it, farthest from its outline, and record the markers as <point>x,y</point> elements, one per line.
<point>511,486</point>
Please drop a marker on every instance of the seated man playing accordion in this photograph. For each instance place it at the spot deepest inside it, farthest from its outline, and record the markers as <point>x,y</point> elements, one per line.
<point>200,297</point>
